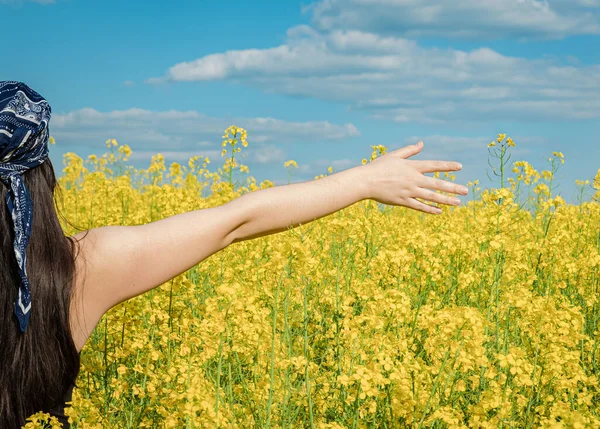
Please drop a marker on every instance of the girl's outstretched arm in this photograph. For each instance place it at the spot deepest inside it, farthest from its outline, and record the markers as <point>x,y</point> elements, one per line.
<point>120,262</point>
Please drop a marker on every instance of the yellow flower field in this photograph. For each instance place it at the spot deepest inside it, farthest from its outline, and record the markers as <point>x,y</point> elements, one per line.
<point>486,316</point>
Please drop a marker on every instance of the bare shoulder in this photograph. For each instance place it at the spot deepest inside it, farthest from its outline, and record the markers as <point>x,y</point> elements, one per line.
<point>116,263</point>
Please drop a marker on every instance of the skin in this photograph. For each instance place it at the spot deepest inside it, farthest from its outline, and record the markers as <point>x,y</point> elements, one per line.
<point>121,262</point>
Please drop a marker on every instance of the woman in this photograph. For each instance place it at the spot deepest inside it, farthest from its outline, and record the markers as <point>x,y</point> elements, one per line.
<point>54,289</point>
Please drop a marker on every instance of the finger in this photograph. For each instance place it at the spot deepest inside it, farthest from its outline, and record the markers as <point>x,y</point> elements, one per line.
<point>422,207</point>
<point>408,151</point>
<point>436,197</point>
<point>427,166</point>
<point>442,185</point>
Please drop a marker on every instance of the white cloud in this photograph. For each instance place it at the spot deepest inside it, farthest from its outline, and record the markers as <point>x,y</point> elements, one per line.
<point>181,133</point>
<point>398,79</point>
<point>268,154</point>
<point>476,19</point>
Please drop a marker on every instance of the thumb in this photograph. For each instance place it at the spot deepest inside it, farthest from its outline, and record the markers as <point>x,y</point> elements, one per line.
<point>408,151</point>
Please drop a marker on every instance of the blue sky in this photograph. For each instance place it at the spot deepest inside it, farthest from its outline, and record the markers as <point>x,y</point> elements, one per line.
<point>316,82</point>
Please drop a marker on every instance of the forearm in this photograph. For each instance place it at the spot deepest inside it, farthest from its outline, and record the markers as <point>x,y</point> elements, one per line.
<point>272,210</point>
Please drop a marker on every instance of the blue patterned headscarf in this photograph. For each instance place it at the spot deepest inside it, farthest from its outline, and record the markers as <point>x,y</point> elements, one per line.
<point>24,118</point>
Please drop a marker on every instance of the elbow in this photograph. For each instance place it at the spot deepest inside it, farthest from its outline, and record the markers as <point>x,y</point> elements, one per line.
<point>240,218</point>
<point>235,224</point>
<point>230,239</point>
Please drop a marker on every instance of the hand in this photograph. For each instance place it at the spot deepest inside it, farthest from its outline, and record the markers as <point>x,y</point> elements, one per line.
<point>397,181</point>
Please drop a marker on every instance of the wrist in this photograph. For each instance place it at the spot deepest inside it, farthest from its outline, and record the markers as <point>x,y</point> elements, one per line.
<point>358,178</point>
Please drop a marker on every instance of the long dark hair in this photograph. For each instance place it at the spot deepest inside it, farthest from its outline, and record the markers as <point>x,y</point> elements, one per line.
<point>38,366</point>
